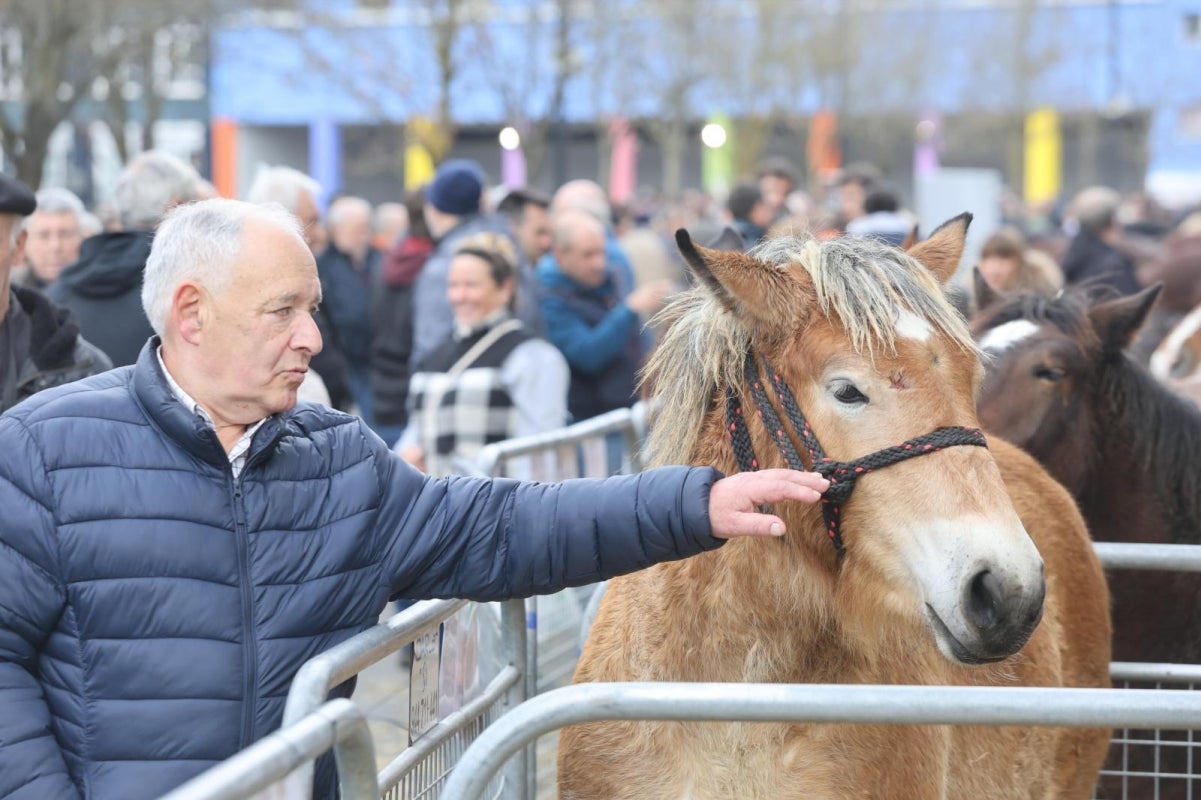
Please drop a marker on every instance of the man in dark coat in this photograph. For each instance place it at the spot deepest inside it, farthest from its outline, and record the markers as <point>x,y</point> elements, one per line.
<point>103,288</point>
<point>349,270</point>
<point>180,535</point>
<point>1093,255</point>
<point>40,345</point>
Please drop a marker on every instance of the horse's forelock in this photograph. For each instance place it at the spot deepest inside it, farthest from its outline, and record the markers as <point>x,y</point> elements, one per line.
<point>865,283</point>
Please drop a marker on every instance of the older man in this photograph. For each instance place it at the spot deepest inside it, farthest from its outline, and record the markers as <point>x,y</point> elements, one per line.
<point>180,535</point>
<point>593,317</point>
<point>40,345</point>
<point>102,288</point>
<point>349,270</point>
<point>1095,255</point>
<point>53,235</point>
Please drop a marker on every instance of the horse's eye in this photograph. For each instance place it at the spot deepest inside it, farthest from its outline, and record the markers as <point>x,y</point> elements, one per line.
<point>1045,373</point>
<point>847,393</point>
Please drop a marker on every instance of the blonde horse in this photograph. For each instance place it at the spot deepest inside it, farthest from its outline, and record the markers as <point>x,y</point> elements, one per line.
<point>936,576</point>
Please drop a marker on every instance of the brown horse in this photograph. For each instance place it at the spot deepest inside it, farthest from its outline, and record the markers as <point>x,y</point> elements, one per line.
<point>1125,446</point>
<point>937,580</point>
<point>1061,386</point>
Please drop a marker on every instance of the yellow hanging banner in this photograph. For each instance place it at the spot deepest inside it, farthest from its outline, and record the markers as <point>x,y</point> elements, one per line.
<point>1044,160</point>
<point>419,167</point>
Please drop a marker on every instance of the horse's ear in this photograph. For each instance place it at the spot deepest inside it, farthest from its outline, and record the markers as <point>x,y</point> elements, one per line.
<point>1117,321</point>
<point>985,295</point>
<point>942,252</point>
<point>910,239</point>
<point>694,256</point>
<point>746,286</point>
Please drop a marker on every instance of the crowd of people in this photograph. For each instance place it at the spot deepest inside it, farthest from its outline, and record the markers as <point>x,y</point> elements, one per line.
<point>181,533</point>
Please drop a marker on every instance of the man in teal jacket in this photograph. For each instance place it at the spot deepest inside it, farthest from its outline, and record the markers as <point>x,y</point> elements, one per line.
<point>179,536</point>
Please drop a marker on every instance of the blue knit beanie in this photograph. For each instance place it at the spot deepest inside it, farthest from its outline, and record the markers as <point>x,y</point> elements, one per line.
<point>456,187</point>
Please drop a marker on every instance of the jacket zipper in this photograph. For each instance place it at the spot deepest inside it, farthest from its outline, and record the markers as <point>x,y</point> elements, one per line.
<point>250,699</point>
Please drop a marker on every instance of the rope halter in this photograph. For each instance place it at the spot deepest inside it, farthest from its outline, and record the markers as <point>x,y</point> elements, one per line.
<point>841,474</point>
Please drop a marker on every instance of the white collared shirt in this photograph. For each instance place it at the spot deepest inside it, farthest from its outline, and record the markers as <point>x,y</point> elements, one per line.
<point>241,448</point>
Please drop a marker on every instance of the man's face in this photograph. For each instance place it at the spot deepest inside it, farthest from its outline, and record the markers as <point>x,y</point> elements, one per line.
<point>584,259</point>
<point>534,232</point>
<point>850,200</point>
<point>259,333</point>
<point>53,243</point>
<point>10,254</point>
<point>352,234</point>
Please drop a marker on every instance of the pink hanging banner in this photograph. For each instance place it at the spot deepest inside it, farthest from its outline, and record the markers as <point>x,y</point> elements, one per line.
<point>623,166</point>
<point>512,168</point>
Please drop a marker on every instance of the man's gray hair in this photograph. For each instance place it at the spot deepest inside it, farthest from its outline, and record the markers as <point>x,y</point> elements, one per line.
<point>149,186</point>
<point>283,186</point>
<point>200,242</point>
<point>58,201</point>
<point>1096,208</point>
<point>346,207</point>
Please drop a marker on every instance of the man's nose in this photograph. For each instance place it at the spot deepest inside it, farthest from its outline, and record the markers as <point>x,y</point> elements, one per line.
<point>308,337</point>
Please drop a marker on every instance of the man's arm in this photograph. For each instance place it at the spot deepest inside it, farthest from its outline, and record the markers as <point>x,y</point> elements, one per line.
<point>489,540</point>
<point>586,349</point>
<point>31,599</point>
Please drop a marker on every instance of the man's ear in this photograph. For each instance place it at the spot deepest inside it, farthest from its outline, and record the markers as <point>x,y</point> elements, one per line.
<point>189,312</point>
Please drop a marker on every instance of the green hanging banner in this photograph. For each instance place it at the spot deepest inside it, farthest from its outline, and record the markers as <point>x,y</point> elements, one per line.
<point>717,157</point>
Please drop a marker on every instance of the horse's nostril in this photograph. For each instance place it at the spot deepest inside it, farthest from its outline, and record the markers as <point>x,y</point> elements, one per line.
<point>983,601</point>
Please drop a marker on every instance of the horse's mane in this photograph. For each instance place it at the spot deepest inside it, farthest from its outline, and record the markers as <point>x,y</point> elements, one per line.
<point>1164,429</point>
<point>861,282</point>
<point>1165,437</point>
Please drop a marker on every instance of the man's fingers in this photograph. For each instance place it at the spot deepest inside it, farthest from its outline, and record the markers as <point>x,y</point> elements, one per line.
<point>754,524</point>
<point>777,485</point>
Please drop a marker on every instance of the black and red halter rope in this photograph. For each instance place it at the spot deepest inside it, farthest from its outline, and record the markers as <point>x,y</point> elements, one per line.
<point>841,474</point>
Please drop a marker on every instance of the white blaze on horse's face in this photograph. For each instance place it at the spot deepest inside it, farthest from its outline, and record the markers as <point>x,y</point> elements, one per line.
<point>911,326</point>
<point>1005,336</point>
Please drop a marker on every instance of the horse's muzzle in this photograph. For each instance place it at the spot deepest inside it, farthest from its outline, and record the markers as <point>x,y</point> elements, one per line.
<point>1001,614</point>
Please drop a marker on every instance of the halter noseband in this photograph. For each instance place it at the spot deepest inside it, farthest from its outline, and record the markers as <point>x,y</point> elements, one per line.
<point>841,474</point>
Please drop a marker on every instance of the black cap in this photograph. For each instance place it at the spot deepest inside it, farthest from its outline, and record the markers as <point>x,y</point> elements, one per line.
<point>15,197</point>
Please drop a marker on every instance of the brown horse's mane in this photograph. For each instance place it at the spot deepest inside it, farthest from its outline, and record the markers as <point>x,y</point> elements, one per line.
<point>860,282</point>
<point>1162,429</point>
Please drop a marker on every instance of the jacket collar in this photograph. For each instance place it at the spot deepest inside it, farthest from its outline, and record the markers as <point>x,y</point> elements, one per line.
<point>188,430</point>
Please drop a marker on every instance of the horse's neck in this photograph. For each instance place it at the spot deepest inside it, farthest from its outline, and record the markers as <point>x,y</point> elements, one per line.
<point>1142,485</point>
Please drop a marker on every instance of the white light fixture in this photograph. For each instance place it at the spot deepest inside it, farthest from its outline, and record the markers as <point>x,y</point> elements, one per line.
<point>510,139</point>
<point>713,135</point>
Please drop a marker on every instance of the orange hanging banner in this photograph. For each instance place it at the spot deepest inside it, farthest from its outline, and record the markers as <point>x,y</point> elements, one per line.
<point>225,156</point>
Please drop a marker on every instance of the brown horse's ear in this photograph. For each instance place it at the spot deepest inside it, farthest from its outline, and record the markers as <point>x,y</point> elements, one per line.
<point>746,286</point>
<point>910,239</point>
<point>985,295</point>
<point>1117,321</point>
<point>942,252</point>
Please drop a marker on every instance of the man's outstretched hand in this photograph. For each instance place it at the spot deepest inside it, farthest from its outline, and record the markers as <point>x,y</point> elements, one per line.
<point>734,501</point>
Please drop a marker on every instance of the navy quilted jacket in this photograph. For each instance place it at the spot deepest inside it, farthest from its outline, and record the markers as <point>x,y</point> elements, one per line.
<point>153,609</point>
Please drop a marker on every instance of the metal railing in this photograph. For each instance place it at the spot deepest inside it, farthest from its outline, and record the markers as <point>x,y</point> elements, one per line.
<point>338,724</point>
<point>837,703</point>
<point>503,692</point>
